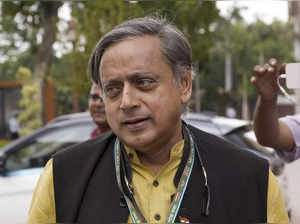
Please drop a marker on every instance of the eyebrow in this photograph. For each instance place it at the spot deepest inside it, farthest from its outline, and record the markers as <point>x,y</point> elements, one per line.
<point>132,76</point>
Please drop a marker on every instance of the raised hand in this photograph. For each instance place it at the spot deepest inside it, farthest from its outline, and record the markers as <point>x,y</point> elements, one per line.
<point>265,79</point>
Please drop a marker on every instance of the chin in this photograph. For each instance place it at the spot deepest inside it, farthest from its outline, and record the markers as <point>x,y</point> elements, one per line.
<point>138,142</point>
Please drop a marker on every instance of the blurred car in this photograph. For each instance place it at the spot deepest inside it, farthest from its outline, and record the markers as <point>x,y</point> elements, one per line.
<point>21,161</point>
<point>239,132</point>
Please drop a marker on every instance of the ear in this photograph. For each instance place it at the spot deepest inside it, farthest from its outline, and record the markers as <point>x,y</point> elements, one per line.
<point>186,87</point>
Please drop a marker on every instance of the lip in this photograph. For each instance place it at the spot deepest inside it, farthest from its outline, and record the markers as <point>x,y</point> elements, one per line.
<point>136,123</point>
<point>98,111</point>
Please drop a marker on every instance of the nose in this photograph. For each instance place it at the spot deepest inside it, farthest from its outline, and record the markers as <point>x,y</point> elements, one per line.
<point>129,98</point>
<point>99,101</point>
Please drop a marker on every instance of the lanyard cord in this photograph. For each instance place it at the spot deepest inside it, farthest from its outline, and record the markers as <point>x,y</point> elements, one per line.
<point>131,203</point>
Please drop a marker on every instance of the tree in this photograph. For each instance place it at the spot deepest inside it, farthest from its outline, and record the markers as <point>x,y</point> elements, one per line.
<point>9,68</point>
<point>30,107</point>
<point>24,22</point>
<point>248,44</point>
<point>95,18</point>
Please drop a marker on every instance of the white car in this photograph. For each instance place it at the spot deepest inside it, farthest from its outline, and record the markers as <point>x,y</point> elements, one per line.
<point>21,162</point>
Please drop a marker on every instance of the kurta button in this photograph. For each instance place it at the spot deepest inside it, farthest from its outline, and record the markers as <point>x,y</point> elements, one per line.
<point>155,183</point>
<point>157,217</point>
<point>130,155</point>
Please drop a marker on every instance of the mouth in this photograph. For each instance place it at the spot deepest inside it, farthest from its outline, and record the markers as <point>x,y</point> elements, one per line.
<point>136,123</point>
<point>99,111</point>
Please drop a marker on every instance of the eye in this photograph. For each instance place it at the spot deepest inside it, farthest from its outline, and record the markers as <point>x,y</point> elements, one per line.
<point>112,91</point>
<point>145,83</point>
<point>95,97</point>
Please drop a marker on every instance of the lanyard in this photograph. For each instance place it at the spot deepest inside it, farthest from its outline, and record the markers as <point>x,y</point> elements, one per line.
<point>132,206</point>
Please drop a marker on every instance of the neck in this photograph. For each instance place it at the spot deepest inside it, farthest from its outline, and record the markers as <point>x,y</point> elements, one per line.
<point>160,155</point>
<point>156,161</point>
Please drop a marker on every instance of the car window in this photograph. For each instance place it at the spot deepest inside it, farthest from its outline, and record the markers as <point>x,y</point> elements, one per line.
<point>39,149</point>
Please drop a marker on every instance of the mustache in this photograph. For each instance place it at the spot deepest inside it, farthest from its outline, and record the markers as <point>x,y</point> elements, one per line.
<point>133,119</point>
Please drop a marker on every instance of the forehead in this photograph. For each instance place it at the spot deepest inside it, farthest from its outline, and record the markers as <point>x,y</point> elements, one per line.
<point>139,52</point>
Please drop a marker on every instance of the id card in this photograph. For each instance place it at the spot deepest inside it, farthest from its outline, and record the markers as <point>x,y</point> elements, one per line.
<point>293,75</point>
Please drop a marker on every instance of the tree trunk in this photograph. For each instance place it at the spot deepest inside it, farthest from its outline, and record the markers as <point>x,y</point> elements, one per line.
<point>49,11</point>
<point>228,72</point>
<point>245,106</point>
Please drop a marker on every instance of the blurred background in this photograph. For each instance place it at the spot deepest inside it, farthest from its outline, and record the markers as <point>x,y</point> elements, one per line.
<point>45,48</point>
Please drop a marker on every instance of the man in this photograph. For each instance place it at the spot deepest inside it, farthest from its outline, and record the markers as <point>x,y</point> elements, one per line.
<point>97,111</point>
<point>153,168</point>
<point>14,126</point>
<point>282,134</point>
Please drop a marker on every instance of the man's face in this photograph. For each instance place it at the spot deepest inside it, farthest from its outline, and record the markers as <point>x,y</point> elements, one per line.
<point>96,106</point>
<point>143,102</point>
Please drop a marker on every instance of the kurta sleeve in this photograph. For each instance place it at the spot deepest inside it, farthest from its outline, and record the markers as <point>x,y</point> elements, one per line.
<point>42,209</point>
<point>276,212</point>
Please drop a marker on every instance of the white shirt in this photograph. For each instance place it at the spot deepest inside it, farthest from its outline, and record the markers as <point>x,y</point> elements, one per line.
<point>13,125</point>
<point>293,122</point>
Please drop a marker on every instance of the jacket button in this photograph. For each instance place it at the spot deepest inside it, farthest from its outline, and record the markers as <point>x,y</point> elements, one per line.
<point>155,183</point>
<point>157,217</point>
<point>123,202</point>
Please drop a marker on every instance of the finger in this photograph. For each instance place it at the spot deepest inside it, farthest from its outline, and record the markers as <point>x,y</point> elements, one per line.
<point>256,83</point>
<point>282,69</point>
<point>266,66</point>
<point>259,70</point>
<point>273,62</point>
<point>271,70</point>
<point>256,68</point>
<point>253,80</point>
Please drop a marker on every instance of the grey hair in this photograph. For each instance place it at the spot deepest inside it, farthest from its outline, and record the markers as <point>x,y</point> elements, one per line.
<point>175,47</point>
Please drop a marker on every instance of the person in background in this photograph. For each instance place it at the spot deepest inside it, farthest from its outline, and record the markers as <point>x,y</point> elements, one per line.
<point>283,134</point>
<point>153,167</point>
<point>97,111</point>
<point>14,126</point>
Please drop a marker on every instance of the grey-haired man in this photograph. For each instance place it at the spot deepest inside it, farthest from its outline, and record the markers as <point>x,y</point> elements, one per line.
<point>154,168</point>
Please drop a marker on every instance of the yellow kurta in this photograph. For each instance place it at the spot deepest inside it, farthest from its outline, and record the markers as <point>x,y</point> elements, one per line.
<point>152,192</point>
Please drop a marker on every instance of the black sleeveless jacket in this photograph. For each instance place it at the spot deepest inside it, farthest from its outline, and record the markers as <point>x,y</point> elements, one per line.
<point>86,190</point>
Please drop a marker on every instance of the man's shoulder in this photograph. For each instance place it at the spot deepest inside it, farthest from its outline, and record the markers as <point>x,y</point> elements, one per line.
<point>221,149</point>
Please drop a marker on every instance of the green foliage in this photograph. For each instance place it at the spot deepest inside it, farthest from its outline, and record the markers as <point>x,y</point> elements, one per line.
<point>9,68</point>
<point>210,35</point>
<point>30,108</point>
<point>93,19</point>
<point>21,21</point>
<point>249,45</point>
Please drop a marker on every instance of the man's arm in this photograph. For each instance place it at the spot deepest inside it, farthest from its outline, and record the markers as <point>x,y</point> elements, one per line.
<point>268,129</point>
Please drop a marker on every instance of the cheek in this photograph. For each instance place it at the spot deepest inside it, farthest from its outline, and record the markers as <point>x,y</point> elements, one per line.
<point>166,108</point>
<point>111,114</point>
